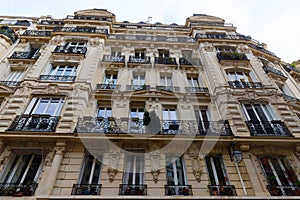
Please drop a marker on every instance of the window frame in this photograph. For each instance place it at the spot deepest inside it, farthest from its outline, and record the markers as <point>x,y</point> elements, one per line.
<point>36,101</point>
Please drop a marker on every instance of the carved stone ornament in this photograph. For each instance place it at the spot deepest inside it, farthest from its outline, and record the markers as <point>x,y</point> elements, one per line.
<point>196,166</point>
<point>208,47</point>
<point>155,174</point>
<point>111,174</point>
<point>113,165</point>
<point>155,166</point>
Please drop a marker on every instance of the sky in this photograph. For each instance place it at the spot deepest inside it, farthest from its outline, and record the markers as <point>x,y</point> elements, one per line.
<point>274,22</point>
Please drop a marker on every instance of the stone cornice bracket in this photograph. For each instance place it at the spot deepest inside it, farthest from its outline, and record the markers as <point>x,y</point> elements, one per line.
<point>60,148</point>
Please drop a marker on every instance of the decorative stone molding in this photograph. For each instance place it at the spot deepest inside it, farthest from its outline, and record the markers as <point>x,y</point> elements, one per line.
<point>3,158</point>
<point>196,166</point>
<point>270,149</point>
<point>60,148</point>
<point>111,174</point>
<point>155,166</point>
<point>245,147</point>
<point>112,170</point>
<point>208,47</point>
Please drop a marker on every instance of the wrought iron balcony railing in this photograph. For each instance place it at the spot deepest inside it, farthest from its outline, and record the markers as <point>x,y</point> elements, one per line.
<point>11,83</point>
<point>34,122</point>
<point>222,36</point>
<point>57,78</point>
<point>268,128</point>
<point>107,86</point>
<point>112,125</point>
<point>113,59</point>
<point>290,98</point>
<point>12,189</point>
<point>37,33</point>
<point>73,50</point>
<point>172,190</point>
<point>260,48</point>
<point>281,190</point>
<point>86,189</point>
<point>274,71</point>
<point>232,56</point>
<point>51,22</point>
<point>290,68</point>
<point>165,60</point>
<point>34,54</point>
<point>139,60</point>
<point>243,84</point>
<point>222,190</point>
<point>168,88</point>
<point>8,32</point>
<point>81,29</point>
<point>193,61</point>
<point>196,90</point>
<point>137,87</point>
<point>126,189</point>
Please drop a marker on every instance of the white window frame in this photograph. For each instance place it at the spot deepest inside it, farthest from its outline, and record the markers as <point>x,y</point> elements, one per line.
<point>174,169</point>
<point>137,113</point>
<point>138,78</point>
<point>110,79</point>
<point>166,80</point>
<point>193,81</point>
<point>35,102</point>
<point>167,113</point>
<point>15,75</point>
<point>140,53</point>
<point>15,166</point>
<point>75,44</point>
<point>105,110</point>
<point>131,168</point>
<point>92,170</point>
<point>267,110</point>
<point>55,68</point>
<point>214,170</point>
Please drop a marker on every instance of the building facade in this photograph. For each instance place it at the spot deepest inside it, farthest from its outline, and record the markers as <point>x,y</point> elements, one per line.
<point>92,108</point>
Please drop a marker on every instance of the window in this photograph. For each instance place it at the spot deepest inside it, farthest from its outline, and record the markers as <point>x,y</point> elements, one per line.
<point>63,70</point>
<point>193,81</point>
<point>22,168</point>
<point>258,112</point>
<point>169,114</point>
<point>163,53</point>
<point>104,112</point>
<point>137,113</point>
<point>202,119</point>
<point>241,79</point>
<point>111,78</point>
<point>166,80</point>
<point>281,178</point>
<point>133,169</point>
<point>75,45</point>
<point>170,122</point>
<point>219,182</point>
<point>91,170</point>
<point>187,54</point>
<point>140,53</point>
<point>116,53</point>
<point>15,75</point>
<point>138,79</point>
<point>45,106</point>
<point>176,176</point>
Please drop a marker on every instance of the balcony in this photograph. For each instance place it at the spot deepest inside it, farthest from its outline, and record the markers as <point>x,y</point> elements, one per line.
<point>295,72</point>
<point>81,30</point>
<point>34,123</point>
<point>35,33</point>
<point>9,33</point>
<point>261,49</point>
<point>11,83</point>
<point>191,64</point>
<point>110,125</point>
<point>222,190</point>
<point>290,98</point>
<point>107,86</point>
<point>268,128</point>
<point>222,36</point>
<point>17,190</point>
<point>57,78</point>
<point>280,190</point>
<point>168,88</point>
<point>34,54</point>
<point>243,84</point>
<point>172,190</point>
<point>86,189</point>
<point>70,50</point>
<point>126,189</point>
<point>165,60</point>
<point>203,90</point>
<point>231,56</point>
<point>275,73</point>
<point>137,87</point>
<point>134,61</point>
<point>114,60</point>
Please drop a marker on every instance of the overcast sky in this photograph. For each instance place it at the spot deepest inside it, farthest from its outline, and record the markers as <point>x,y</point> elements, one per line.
<point>274,22</point>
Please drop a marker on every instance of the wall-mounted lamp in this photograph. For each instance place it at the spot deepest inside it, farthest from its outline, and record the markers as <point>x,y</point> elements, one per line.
<point>234,153</point>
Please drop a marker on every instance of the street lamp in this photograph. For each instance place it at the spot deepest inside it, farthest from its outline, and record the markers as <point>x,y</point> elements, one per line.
<point>236,156</point>
<point>234,153</point>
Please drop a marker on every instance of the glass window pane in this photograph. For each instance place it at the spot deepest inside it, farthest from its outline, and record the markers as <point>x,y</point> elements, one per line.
<point>41,106</point>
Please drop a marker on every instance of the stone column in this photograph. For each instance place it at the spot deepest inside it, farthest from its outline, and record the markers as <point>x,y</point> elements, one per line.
<point>47,185</point>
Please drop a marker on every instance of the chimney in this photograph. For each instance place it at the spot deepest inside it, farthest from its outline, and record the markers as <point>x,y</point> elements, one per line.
<point>149,20</point>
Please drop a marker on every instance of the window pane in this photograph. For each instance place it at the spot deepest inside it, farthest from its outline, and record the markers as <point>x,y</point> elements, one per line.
<point>41,106</point>
<point>34,167</point>
<point>87,170</point>
<point>51,110</point>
